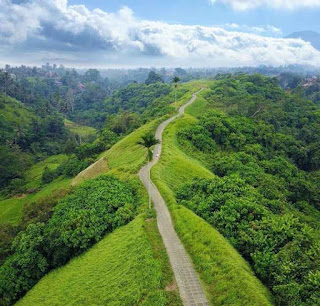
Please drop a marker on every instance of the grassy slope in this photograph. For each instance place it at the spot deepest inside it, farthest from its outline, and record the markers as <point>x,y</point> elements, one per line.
<point>127,155</point>
<point>227,278</point>
<point>34,174</point>
<point>11,209</point>
<point>122,269</point>
<point>14,112</point>
<point>125,268</point>
<point>85,132</point>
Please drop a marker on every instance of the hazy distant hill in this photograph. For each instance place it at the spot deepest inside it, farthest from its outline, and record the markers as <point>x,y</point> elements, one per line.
<point>311,36</point>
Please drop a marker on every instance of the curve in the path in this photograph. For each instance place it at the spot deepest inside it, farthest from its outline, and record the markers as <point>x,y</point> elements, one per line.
<point>190,288</point>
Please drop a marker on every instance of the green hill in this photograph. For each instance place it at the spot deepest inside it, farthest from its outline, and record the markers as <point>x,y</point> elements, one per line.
<point>239,172</point>
<point>11,208</point>
<point>13,114</point>
<point>128,267</point>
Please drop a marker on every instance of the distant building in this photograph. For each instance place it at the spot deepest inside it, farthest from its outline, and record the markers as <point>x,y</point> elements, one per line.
<point>309,82</point>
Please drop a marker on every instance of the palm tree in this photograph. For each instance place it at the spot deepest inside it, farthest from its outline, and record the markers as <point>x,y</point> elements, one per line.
<point>148,141</point>
<point>175,81</point>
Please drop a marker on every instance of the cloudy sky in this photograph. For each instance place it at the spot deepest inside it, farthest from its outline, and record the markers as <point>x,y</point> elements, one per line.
<point>132,33</point>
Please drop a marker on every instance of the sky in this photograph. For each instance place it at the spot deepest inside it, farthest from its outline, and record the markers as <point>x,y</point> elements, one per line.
<point>158,33</point>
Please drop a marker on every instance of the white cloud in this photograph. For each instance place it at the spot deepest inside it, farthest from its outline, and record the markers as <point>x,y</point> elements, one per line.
<point>52,30</point>
<point>266,30</point>
<point>242,5</point>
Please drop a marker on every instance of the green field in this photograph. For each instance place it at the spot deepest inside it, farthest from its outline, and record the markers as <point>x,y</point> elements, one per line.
<point>11,209</point>
<point>127,155</point>
<point>85,132</point>
<point>227,278</point>
<point>34,174</point>
<point>128,267</point>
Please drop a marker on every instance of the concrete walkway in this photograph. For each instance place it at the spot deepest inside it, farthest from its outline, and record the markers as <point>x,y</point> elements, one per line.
<point>189,286</point>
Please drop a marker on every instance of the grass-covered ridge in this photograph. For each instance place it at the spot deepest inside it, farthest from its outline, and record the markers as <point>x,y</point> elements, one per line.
<point>78,221</point>
<point>222,277</point>
<point>119,270</point>
<point>227,277</point>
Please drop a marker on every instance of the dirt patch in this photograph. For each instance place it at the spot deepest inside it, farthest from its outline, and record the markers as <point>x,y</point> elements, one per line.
<point>171,287</point>
<point>20,196</point>
<point>94,170</point>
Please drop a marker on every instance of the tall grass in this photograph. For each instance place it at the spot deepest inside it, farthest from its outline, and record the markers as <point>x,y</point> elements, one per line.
<point>122,269</point>
<point>85,132</point>
<point>11,209</point>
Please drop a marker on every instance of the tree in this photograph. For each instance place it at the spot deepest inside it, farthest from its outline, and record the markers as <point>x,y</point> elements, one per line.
<point>175,81</point>
<point>153,78</point>
<point>148,141</point>
<point>180,71</point>
<point>47,176</point>
<point>92,75</point>
<point>70,99</point>
<point>5,82</point>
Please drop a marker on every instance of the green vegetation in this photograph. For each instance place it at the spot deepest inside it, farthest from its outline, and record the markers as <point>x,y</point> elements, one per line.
<point>128,267</point>
<point>127,155</point>
<point>227,277</point>
<point>70,230</point>
<point>11,209</point>
<point>244,158</point>
<point>34,174</point>
<point>26,138</point>
<point>94,170</point>
<point>264,148</point>
<point>84,133</point>
<point>79,220</point>
<point>210,252</point>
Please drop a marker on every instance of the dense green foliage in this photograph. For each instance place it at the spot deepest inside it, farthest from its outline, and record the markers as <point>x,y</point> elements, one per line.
<point>79,220</point>
<point>136,104</point>
<point>153,77</point>
<point>24,137</point>
<point>127,267</point>
<point>265,153</point>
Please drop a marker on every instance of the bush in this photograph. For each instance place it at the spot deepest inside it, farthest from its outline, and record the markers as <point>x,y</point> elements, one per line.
<point>79,220</point>
<point>284,251</point>
<point>47,176</point>
<point>72,166</point>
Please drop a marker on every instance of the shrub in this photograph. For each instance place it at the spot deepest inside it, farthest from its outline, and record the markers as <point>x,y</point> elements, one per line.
<point>79,220</point>
<point>47,176</point>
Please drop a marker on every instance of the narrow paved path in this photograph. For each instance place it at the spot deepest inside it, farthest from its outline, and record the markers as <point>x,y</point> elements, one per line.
<point>189,286</point>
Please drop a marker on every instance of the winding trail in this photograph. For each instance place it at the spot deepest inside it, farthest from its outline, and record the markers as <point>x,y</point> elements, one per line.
<point>190,289</point>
